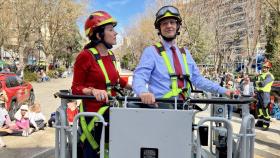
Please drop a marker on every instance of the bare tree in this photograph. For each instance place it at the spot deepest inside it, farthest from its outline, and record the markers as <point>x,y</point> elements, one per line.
<point>5,21</point>
<point>49,24</point>
<point>59,24</point>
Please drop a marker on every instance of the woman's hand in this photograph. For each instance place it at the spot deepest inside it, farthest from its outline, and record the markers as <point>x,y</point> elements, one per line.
<point>100,95</point>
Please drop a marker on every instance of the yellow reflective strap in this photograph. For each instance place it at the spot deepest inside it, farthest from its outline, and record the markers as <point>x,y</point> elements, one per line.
<point>171,94</point>
<point>174,84</point>
<point>107,80</point>
<point>260,111</point>
<point>186,64</point>
<point>114,62</point>
<point>187,72</point>
<point>87,31</point>
<point>90,126</point>
<point>87,133</point>
<point>166,60</point>
<point>267,116</point>
<point>100,63</point>
<point>111,20</point>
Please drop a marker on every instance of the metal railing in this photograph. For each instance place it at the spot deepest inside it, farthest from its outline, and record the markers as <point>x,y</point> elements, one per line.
<point>66,136</point>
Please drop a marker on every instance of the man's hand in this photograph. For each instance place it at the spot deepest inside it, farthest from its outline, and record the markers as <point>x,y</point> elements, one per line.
<point>260,84</point>
<point>231,93</point>
<point>147,98</point>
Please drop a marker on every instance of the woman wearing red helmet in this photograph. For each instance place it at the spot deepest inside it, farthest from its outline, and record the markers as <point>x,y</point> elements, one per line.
<point>95,74</point>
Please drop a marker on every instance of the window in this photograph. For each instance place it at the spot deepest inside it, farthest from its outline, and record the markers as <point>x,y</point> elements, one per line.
<point>13,81</point>
<point>8,85</point>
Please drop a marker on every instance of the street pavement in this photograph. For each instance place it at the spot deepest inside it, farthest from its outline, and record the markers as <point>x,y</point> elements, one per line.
<point>41,141</point>
<point>41,144</point>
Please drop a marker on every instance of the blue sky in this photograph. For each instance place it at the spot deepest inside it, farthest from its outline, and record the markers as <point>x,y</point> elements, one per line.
<point>122,10</point>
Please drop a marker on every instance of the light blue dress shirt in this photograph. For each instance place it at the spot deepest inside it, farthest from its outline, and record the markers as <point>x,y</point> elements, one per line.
<point>151,74</point>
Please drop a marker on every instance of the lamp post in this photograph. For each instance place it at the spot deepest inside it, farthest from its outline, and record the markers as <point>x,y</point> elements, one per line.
<point>39,46</point>
<point>257,54</point>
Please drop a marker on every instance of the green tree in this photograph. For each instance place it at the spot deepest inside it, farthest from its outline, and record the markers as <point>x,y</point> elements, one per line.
<point>273,36</point>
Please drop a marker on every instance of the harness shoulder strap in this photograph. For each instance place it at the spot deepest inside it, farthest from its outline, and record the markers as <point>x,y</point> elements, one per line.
<point>184,54</point>
<point>113,58</point>
<point>187,76</point>
<point>95,54</point>
<point>159,47</point>
<point>182,50</point>
<point>100,63</point>
<point>167,62</point>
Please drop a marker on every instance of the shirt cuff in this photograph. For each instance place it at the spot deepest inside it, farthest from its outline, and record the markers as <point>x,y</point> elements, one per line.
<point>142,90</point>
<point>222,90</point>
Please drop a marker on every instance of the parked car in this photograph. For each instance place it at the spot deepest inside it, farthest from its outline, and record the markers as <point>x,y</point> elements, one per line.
<point>18,92</point>
<point>275,89</point>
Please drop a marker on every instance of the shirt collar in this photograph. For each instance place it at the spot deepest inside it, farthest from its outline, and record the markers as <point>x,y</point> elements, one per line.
<point>167,45</point>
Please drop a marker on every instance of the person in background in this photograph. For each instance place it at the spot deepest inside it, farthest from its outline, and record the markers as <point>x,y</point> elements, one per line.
<point>238,79</point>
<point>4,116</point>
<point>246,87</point>
<point>228,77</point>
<point>229,85</point>
<point>22,121</point>
<point>3,97</point>
<point>36,117</point>
<point>71,111</point>
<point>263,88</point>
<point>6,69</point>
<point>44,76</point>
<point>19,70</point>
<point>5,120</point>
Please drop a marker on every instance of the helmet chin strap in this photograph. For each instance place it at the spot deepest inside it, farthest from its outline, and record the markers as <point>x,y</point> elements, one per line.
<point>169,39</point>
<point>107,45</point>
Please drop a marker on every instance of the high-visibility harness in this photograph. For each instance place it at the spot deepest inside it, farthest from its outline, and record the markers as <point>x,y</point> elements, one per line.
<point>87,128</point>
<point>100,63</point>
<point>263,113</point>
<point>175,91</point>
<point>267,86</point>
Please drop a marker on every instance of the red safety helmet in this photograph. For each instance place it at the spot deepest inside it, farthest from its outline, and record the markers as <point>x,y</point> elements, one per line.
<point>97,19</point>
<point>267,64</point>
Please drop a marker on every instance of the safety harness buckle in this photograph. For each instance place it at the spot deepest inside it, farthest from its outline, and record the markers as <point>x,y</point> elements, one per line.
<point>186,76</point>
<point>173,75</point>
<point>97,57</point>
